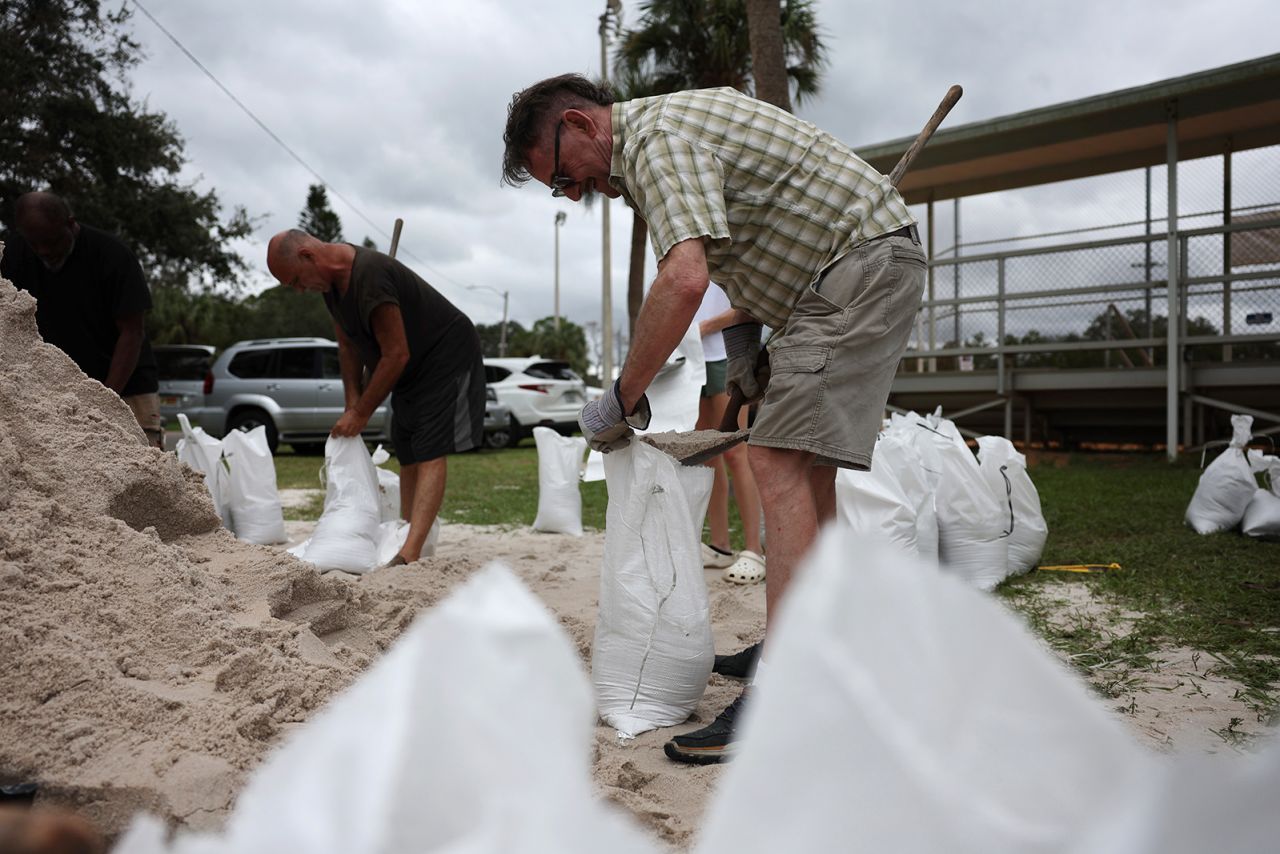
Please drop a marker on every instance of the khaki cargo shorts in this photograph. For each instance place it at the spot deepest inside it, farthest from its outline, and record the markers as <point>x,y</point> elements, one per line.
<point>834,363</point>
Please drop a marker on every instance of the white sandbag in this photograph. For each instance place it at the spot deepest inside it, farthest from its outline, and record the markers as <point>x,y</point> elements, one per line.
<point>957,729</point>
<point>346,536</point>
<point>676,391</point>
<point>471,734</point>
<point>1262,513</point>
<point>203,453</point>
<point>388,487</point>
<point>891,499</point>
<point>560,464</point>
<point>973,526</point>
<point>1006,469</point>
<point>653,652</point>
<point>253,502</point>
<point>1226,486</point>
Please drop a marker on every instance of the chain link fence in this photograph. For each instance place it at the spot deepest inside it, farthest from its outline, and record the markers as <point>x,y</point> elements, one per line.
<point>1073,275</point>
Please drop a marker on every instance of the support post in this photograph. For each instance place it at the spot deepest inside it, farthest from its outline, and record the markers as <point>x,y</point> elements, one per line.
<point>1173,349</point>
<point>933,311</point>
<point>1226,249</point>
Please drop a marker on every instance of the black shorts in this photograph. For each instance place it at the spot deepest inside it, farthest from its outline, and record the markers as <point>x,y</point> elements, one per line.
<point>438,415</point>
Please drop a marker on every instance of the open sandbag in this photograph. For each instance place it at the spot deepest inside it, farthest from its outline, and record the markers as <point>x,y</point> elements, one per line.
<point>472,734</point>
<point>955,730</point>
<point>347,535</point>
<point>1226,486</point>
<point>253,502</point>
<point>560,465</point>
<point>1006,473</point>
<point>653,652</point>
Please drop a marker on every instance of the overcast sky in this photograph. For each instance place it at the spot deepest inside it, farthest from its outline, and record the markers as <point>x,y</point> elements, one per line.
<point>400,106</point>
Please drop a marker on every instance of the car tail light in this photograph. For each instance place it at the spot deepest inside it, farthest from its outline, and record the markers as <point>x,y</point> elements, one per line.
<point>208,382</point>
<point>540,388</point>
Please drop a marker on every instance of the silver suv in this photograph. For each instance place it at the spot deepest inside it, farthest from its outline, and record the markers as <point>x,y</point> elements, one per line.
<point>291,386</point>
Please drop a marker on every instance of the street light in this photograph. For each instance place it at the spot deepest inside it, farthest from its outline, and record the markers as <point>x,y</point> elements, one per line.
<point>502,342</point>
<point>561,216</point>
<point>612,15</point>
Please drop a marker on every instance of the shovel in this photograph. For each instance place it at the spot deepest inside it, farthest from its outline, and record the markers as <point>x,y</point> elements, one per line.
<point>695,447</point>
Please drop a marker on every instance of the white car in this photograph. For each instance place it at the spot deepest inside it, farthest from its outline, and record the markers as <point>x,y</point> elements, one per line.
<point>538,391</point>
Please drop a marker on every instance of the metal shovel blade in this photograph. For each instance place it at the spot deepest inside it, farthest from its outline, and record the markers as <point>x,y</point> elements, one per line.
<point>694,447</point>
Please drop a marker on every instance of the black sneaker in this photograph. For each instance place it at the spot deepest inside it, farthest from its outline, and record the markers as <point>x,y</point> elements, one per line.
<point>712,743</point>
<point>740,665</point>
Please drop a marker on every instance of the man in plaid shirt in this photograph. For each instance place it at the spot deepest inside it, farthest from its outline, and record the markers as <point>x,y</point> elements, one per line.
<point>803,236</point>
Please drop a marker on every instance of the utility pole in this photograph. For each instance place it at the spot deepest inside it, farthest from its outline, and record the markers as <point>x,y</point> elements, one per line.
<point>612,13</point>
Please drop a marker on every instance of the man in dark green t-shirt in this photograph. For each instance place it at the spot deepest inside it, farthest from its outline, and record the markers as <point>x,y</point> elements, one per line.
<point>415,344</point>
<point>91,299</point>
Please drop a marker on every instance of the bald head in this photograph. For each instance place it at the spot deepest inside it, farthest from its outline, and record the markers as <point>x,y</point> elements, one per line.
<point>300,261</point>
<point>45,221</point>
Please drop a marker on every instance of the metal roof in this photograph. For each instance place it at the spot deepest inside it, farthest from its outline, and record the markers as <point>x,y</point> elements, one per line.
<point>1235,105</point>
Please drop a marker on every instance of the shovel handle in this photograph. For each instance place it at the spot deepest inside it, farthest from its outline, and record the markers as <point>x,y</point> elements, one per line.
<point>948,101</point>
<point>729,423</point>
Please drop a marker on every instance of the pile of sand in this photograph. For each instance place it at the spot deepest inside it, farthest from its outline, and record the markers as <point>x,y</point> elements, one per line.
<point>150,659</point>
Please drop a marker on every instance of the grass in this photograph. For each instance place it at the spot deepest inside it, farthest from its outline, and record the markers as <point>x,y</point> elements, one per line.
<point>1219,594</point>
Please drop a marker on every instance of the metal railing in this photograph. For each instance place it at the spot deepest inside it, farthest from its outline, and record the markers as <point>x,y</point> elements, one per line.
<point>1075,298</point>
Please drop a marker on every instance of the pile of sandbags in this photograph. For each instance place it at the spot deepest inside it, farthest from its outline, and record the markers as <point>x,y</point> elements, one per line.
<point>1228,495</point>
<point>979,517</point>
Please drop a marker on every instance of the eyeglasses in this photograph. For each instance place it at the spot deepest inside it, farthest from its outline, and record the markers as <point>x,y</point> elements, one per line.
<point>559,183</point>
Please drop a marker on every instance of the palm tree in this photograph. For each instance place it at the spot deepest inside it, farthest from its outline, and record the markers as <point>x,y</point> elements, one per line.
<point>698,44</point>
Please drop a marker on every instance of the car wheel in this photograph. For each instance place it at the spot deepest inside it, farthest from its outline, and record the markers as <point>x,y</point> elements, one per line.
<point>249,419</point>
<point>496,439</point>
<point>516,433</point>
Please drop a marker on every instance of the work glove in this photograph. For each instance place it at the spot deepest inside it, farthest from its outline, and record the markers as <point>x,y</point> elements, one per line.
<point>604,425</point>
<point>746,368</point>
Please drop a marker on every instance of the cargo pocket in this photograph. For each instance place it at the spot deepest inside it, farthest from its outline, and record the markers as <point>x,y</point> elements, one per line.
<point>806,359</point>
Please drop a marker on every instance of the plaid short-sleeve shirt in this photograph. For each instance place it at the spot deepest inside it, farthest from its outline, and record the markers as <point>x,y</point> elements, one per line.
<point>778,199</point>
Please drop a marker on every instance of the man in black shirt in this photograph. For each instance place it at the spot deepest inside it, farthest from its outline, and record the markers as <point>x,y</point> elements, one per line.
<point>90,300</point>
<point>416,345</point>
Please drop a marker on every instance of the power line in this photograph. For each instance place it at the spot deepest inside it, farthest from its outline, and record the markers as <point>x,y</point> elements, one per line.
<point>269,132</point>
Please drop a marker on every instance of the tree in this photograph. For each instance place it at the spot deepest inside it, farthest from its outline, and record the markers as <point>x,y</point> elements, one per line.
<point>566,344</point>
<point>697,44</point>
<point>69,125</point>
<point>318,219</point>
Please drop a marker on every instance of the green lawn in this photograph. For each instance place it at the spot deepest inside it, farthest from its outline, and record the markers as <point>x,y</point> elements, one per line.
<point>1219,594</point>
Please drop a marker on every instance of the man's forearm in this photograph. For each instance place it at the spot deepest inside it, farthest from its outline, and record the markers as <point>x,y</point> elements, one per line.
<point>384,378</point>
<point>124,359</point>
<point>352,370</point>
<point>673,300</point>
